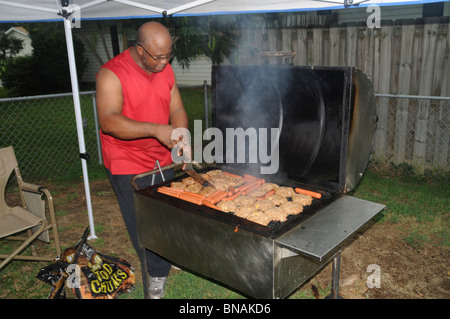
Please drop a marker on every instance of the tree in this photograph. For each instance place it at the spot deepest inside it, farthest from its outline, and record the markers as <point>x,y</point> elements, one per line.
<point>9,47</point>
<point>47,69</point>
<point>194,36</point>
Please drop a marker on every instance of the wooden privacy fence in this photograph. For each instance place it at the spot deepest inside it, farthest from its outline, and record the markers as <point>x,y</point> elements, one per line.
<point>405,57</point>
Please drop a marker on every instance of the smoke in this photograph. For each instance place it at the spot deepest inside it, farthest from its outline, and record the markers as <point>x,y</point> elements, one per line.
<point>249,113</point>
<point>256,105</point>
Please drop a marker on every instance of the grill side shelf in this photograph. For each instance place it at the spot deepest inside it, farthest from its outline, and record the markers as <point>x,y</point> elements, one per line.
<point>329,227</point>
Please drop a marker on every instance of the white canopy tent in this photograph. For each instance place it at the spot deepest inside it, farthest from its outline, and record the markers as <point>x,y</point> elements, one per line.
<point>50,10</point>
<point>73,12</point>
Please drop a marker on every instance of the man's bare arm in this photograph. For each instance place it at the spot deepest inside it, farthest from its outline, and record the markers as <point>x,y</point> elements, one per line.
<point>178,116</point>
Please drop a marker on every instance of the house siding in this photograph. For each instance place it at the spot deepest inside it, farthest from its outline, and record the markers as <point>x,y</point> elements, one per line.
<point>95,52</point>
<point>27,49</point>
<point>198,72</point>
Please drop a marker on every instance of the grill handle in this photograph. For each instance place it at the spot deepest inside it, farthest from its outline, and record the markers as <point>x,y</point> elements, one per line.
<point>154,171</point>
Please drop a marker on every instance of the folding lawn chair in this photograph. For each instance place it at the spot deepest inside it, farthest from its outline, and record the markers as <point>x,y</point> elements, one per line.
<point>26,222</point>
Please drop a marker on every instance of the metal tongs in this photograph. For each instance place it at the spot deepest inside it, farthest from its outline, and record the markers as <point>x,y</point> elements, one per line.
<point>189,169</point>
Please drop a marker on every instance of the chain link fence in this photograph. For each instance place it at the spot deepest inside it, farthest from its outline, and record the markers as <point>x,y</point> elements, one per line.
<point>43,132</point>
<point>412,134</point>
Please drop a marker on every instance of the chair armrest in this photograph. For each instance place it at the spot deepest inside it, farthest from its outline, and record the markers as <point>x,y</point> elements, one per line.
<point>33,188</point>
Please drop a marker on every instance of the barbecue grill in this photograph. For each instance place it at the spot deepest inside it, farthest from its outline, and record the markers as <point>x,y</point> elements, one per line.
<point>325,120</point>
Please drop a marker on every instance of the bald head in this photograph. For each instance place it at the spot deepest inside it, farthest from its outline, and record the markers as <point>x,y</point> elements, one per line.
<point>153,34</point>
<point>153,49</point>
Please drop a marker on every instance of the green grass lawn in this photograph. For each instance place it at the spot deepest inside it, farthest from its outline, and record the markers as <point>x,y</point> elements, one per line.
<point>418,204</point>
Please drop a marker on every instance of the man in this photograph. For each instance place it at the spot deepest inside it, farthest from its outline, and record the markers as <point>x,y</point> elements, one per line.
<point>139,106</point>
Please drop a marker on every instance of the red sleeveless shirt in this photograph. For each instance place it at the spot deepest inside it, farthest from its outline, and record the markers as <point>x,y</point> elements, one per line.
<point>146,98</point>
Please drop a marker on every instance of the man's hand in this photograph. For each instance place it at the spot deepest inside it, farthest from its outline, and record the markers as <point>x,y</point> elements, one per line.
<point>164,135</point>
<point>182,150</point>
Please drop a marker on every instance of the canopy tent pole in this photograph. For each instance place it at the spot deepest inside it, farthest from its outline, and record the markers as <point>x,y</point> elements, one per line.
<point>90,4</point>
<point>161,10</point>
<point>140,5</point>
<point>78,118</point>
<point>75,92</point>
<point>187,6</point>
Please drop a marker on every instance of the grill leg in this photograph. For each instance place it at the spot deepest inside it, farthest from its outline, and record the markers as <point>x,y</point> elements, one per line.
<point>145,278</point>
<point>335,277</point>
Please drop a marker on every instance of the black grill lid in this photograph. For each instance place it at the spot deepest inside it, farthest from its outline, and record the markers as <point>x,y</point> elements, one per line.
<point>321,122</point>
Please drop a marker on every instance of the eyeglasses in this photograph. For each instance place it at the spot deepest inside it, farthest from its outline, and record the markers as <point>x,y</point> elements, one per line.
<point>159,58</point>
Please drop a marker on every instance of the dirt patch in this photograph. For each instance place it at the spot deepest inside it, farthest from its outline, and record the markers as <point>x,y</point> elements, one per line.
<point>404,272</point>
<point>112,237</point>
